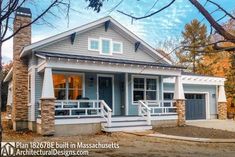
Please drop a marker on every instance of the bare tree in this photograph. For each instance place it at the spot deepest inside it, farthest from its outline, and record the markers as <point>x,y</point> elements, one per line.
<point>7,14</point>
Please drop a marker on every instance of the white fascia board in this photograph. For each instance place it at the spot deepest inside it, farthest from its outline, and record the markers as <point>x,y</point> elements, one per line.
<point>199,80</point>
<point>107,67</point>
<point>9,75</point>
<point>27,49</point>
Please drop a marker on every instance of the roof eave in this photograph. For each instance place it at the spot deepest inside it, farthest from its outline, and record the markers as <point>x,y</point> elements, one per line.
<point>9,76</point>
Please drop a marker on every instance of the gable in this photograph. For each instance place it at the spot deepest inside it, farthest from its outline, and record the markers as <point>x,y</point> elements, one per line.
<point>80,45</point>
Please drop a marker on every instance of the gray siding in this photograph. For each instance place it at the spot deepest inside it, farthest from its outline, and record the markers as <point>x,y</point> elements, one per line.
<point>80,45</point>
<point>199,88</point>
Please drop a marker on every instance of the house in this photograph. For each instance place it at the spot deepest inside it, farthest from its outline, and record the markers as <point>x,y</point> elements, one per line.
<point>100,76</point>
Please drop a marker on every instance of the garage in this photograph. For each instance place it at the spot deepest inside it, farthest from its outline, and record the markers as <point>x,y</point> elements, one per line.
<point>195,106</point>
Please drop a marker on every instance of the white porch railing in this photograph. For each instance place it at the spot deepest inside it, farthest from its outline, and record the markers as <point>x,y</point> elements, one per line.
<point>165,107</point>
<point>144,111</point>
<point>82,108</point>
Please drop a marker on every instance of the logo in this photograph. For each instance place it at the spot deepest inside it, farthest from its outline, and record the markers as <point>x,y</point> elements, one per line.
<point>7,148</point>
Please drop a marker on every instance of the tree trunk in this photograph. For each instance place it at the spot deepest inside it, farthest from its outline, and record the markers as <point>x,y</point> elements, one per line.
<point>1,78</point>
<point>213,22</point>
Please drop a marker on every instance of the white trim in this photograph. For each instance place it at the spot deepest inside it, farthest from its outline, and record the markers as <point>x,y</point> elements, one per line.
<point>112,67</point>
<point>33,88</point>
<point>97,90</point>
<point>89,44</point>
<point>121,47</point>
<point>126,95</point>
<point>60,36</point>
<point>110,46</point>
<point>207,97</point>
<point>40,56</point>
<point>101,120</point>
<point>145,77</point>
<point>9,75</point>
<point>203,80</point>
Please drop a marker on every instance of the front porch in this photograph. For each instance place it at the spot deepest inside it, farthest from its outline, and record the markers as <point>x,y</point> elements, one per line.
<point>113,96</point>
<point>98,112</point>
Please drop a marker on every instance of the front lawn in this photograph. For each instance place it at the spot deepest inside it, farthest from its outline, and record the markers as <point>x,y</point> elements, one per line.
<point>192,131</point>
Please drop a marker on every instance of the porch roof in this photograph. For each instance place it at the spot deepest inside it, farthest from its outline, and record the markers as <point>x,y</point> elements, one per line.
<point>104,59</point>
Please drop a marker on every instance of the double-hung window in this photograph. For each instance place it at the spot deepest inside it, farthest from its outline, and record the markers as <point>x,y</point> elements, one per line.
<point>144,89</point>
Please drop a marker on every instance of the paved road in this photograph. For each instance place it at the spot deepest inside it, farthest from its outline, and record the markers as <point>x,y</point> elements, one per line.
<point>228,125</point>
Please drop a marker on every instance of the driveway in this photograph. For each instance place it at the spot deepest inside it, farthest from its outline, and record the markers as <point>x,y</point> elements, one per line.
<point>228,125</point>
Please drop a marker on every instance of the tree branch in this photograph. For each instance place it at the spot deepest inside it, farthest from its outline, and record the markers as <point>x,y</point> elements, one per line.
<point>142,17</point>
<point>36,19</point>
<point>212,21</point>
<point>227,13</point>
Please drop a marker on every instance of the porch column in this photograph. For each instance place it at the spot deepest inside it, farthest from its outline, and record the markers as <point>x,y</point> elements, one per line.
<point>180,101</point>
<point>222,106</point>
<point>48,104</point>
<point>126,95</point>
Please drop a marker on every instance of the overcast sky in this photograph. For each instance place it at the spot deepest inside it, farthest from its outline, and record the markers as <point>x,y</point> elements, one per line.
<point>166,25</point>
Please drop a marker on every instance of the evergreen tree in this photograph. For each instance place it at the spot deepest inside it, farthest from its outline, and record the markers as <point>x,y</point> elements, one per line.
<point>194,40</point>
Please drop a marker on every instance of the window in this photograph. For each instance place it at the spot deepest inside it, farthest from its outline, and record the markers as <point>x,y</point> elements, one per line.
<point>138,92</point>
<point>151,87</point>
<point>117,47</point>
<point>68,87</point>
<point>93,44</point>
<point>144,89</point>
<point>29,88</point>
<point>105,44</point>
<point>168,96</point>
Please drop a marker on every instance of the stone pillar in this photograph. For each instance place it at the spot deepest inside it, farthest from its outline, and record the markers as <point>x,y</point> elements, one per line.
<point>47,116</point>
<point>8,111</point>
<point>180,108</point>
<point>180,101</point>
<point>222,105</point>
<point>20,70</point>
<point>48,104</point>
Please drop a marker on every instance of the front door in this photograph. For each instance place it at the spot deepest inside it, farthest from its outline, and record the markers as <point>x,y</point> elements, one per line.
<point>105,89</point>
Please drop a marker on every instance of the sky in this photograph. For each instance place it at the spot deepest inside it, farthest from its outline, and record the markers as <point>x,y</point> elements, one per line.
<point>164,26</point>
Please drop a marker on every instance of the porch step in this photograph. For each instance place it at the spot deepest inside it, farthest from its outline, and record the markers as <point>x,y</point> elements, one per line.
<point>126,125</point>
<point>134,128</point>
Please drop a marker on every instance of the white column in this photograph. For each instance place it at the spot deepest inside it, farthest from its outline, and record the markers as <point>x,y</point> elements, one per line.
<point>179,91</point>
<point>47,87</point>
<point>9,96</point>
<point>126,95</point>
<point>222,96</point>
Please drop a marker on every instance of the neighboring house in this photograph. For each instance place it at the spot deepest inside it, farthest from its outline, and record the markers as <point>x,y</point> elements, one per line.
<point>100,76</point>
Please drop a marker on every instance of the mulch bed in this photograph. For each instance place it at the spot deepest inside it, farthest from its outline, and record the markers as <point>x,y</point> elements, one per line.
<point>192,131</point>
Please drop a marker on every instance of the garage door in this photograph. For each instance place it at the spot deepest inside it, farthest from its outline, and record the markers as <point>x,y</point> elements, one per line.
<point>195,106</point>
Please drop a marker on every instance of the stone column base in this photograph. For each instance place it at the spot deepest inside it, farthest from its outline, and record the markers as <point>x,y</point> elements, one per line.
<point>222,110</point>
<point>48,116</point>
<point>180,107</point>
<point>20,125</point>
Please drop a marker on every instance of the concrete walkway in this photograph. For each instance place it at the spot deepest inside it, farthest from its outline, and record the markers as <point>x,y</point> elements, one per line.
<point>228,125</point>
